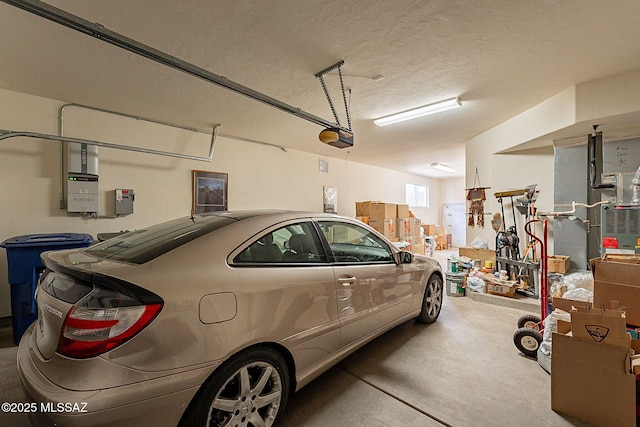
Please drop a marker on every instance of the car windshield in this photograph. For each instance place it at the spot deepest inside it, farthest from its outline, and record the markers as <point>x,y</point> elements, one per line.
<point>146,244</point>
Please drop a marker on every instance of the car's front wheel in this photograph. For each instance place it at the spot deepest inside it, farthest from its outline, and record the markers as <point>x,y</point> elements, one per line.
<point>432,301</point>
<point>250,389</point>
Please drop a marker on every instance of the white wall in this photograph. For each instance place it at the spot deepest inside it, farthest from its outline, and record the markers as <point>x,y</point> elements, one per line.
<point>588,102</point>
<point>453,190</point>
<point>503,172</point>
<point>259,176</point>
<point>609,96</point>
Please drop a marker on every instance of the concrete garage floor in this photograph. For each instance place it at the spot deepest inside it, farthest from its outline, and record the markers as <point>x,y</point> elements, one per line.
<point>461,371</point>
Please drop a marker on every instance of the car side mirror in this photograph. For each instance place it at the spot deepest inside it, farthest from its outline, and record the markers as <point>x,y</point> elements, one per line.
<point>405,257</point>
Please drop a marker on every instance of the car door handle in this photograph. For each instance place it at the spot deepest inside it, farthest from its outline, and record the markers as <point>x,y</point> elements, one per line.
<point>347,280</point>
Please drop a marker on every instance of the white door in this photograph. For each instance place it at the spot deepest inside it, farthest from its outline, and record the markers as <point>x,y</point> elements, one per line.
<point>454,219</point>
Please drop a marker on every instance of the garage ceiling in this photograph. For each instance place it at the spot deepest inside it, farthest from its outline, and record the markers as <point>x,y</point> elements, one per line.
<point>500,57</point>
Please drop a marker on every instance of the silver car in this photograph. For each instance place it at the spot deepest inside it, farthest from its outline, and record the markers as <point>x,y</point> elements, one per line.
<point>212,319</point>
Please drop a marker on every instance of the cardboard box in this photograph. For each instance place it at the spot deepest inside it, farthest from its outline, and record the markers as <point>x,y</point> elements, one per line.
<point>382,210</point>
<point>404,227</point>
<point>364,219</point>
<point>443,241</point>
<point>617,286</point>
<point>482,254</point>
<point>376,210</point>
<point>567,304</point>
<point>497,287</point>
<point>558,263</point>
<point>429,229</point>
<point>415,229</point>
<point>592,382</point>
<point>622,257</point>
<point>387,227</point>
<point>364,208</point>
<point>418,248</point>
<point>606,327</point>
<point>402,211</point>
<point>408,227</point>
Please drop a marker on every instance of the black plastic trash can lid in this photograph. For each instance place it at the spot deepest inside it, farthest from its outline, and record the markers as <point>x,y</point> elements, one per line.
<point>56,239</point>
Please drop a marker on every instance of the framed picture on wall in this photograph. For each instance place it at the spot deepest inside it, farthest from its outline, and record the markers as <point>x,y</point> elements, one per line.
<point>330,199</point>
<point>209,191</point>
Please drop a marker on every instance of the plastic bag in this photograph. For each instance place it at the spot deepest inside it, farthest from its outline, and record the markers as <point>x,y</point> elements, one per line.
<point>580,279</point>
<point>555,281</point>
<point>550,326</point>
<point>578,294</point>
<point>478,243</point>
<point>476,284</point>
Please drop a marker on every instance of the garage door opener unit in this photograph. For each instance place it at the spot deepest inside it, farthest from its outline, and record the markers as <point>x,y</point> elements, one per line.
<point>336,136</point>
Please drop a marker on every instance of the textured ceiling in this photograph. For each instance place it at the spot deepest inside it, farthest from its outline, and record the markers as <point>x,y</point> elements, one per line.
<point>500,57</point>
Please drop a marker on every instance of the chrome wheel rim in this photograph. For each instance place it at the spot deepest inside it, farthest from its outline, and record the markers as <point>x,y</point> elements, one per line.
<point>433,298</point>
<point>250,397</point>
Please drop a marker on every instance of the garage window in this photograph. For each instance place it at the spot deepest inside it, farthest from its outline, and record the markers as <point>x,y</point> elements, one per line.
<point>417,195</point>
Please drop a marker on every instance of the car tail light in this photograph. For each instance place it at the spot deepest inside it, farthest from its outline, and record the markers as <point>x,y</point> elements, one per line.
<point>111,313</point>
<point>89,332</point>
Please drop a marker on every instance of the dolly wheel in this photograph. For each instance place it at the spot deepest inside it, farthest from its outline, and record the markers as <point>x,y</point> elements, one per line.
<point>527,341</point>
<point>530,321</point>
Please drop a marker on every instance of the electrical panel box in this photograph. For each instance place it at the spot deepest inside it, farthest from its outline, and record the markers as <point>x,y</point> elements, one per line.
<point>82,158</point>
<point>124,201</point>
<point>82,192</point>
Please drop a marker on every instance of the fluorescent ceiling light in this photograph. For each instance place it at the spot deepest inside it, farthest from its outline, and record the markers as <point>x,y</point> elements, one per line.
<point>419,112</point>
<point>442,167</point>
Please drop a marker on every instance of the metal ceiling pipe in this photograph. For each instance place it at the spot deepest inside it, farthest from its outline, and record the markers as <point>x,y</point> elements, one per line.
<point>145,150</point>
<point>214,132</point>
<point>98,31</point>
<point>127,147</point>
<point>5,134</point>
<point>129,116</point>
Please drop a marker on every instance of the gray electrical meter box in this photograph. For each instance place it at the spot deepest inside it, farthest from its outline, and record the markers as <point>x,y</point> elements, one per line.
<point>82,192</point>
<point>124,201</point>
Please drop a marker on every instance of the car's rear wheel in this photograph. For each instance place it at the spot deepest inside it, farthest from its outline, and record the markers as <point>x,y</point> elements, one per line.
<point>249,390</point>
<point>432,301</point>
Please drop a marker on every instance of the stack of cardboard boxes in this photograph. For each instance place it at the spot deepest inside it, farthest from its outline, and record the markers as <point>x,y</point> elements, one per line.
<point>442,238</point>
<point>595,362</point>
<point>394,221</point>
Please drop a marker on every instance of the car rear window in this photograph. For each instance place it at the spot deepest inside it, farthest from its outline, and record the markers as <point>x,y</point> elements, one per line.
<point>143,245</point>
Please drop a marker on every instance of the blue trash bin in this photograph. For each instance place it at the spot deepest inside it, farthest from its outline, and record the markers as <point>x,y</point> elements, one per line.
<point>24,267</point>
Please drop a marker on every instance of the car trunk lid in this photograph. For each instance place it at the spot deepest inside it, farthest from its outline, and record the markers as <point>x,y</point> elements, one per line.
<point>83,312</point>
